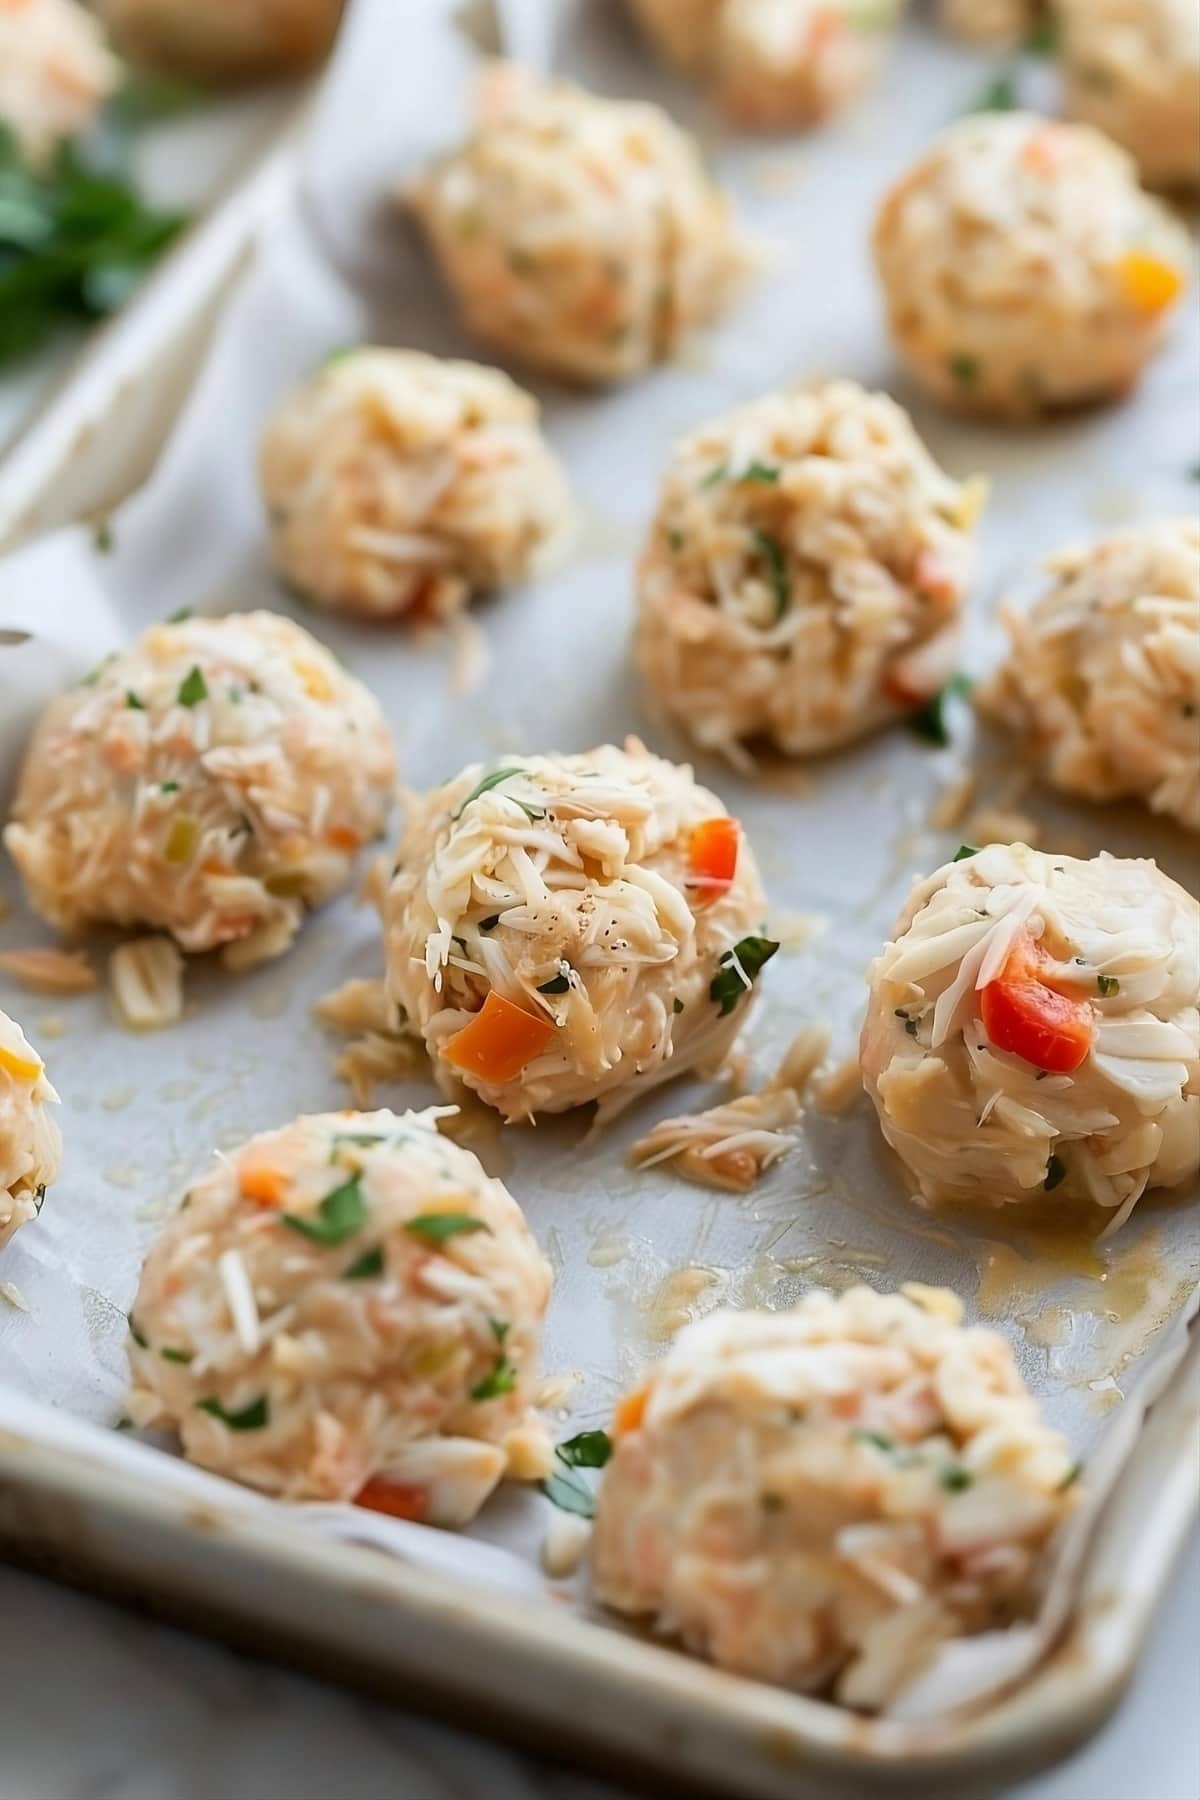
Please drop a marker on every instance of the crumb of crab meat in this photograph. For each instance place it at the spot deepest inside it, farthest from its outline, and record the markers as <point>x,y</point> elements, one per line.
<point>30,1143</point>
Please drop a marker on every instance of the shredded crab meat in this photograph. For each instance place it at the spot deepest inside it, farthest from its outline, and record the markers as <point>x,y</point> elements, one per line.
<point>30,1143</point>
<point>49,971</point>
<point>1113,942</point>
<point>562,886</point>
<point>224,40</point>
<point>822,1496</point>
<point>774,63</point>
<point>1023,267</point>
<point>1003,23</point>
<point>211,782</point>
<point>1131,68</point>
<point>55,72</point>
<point>348,1308</point>
<point>804,575</point>
<point>444,459</point>
<point>579,233</point>
<point>1102,683</point>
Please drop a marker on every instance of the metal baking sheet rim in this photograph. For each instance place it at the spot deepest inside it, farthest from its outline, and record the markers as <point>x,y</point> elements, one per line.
<point>646,1707</point>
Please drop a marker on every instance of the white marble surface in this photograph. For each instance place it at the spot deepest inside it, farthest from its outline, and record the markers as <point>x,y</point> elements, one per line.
<point>96,1704</point>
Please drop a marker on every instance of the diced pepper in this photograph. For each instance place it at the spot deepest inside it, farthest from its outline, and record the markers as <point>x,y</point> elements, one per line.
<point>630,1411</point>
<point>398,1499</point>
<point>342,837</point>
<point>1029,1019</point>
<point>19,1067</point>
<point>1147,281</point>
<point>713,854</point>
<point>315,681</point>
<point>263,1182</point>
<point>498,1041</point>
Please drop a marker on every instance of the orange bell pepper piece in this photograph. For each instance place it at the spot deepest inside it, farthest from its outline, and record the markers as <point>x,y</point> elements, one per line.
<point>1147,281</point>
<point>1024,1016</point>
<point>498,1041</point>
<point>630,1411</point>
<point>398,1499</point>
<point>261,1181</point>
<point>713,854</point>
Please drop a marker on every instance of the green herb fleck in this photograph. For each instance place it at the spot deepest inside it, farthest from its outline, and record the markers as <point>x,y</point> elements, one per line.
<point>737,970</point>
<point>193,688</point>
<point>765,473</point>
<point>771,552</point>
<point>929,721</point>
<point>1108,984</point>
<point>586,1450</point>
<point>875,1438</point>
<point>1056,1171</point>
<point>102,537</point>
<point>494,780</point>
<point>340,1214</point>
<point>132,701</point>
<point>715,475</point>
<point>176,1356</point>
<point>964,851</point>
<point>364,1139</point>
<point>500,1329</point>
<point>369,1264</point>
<point>250,1418</point>
<point>955,1478</point>
<point>1071,1477</point>
<point>178,616</point>
<point>998,95</point>
<point>1043,39</point>
<point>136,1335</point>
<point>168,787</point>
<point>502,1380</point>
<point>965,369</point>
<point>436,1227</point>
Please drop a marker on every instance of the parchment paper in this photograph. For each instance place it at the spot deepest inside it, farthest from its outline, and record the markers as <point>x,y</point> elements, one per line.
<point>839,841</point>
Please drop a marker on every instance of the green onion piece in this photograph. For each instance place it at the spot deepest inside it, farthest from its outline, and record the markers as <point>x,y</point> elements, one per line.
<point>875,1438</point>
<point>586,1450</point>
<point>998,95</point>
<point>250,1418</point>
<point>369,1263</point>
<point>132,701</point>
<point>136,1335</point>
<point>193,688</point>
<point>340,1214</point>
<point>964,851</point>
<point>737,970</point>
<point>929,721</point>
<point>771,551</point>
<point>436,1227</point>
<point>170,1354</point>
<point>1071,1477</point>
<point>494,780</point>
<point>1108,984</point>
<point>766,473</point>
<point>965,369</point>
<point>178,616</point>
<point>500,1329</point>
<point>502,1380</point>
<point>715,475</point>
<point>955,1478</point>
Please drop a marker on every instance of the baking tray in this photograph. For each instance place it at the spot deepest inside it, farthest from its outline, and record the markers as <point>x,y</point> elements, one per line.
<point>838,842</point>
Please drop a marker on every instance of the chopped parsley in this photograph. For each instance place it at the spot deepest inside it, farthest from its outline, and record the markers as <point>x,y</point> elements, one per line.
<point>168,787</point>
<point>737,970</point>
<point>558,984</point>
<point>500,1328</point>
<point>136,1335</point>
<point>250,1418</point>
<point>929,721</point>
<point>193,688</point>
<point>340,1214</point>
<point>494,780</point>
<point>771,552</point>
<point>1056,1171</point>
<point>586,1450</point>
<point>363,1139</point>
<point>502,1380</point>
<point>132,701</point>
<point>1071,1477</point>
<point>715,475</point>
<point>178,616</point>
<point>964,851</point>
<point>565,1489</point>
<point>998,95</point>
<point>765,473</point>
<point>965,369</point>
<point>170,1354</point>
<point>369,1263</point>
<point>1108,984</point>
<point>436,1227</point>
<point>875,1438</point>
<point>955,1478</point>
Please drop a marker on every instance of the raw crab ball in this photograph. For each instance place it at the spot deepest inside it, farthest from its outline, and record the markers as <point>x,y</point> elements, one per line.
<point>578,233</point>
<point>397,483</point>
<point>1102,684</point>
<point>224,40</point>
<point>1001,22</point>
<point>1032,1031</point>
<point>55,72</point>
<point>212,781</point>
<point>1024,268</point>
<point>1132,69</point>
<point>30,1145</point>
<point>804,574</point>
<point>348,1309</point>
<point>822,1497</point>
<point>774,63</point>
<point>573,928</point>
